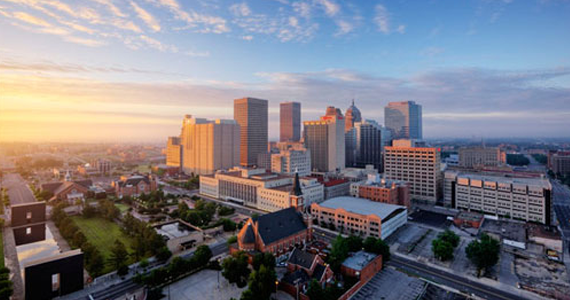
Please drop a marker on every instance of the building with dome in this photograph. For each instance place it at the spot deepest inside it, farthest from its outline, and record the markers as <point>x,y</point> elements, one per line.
<point>352,116</point>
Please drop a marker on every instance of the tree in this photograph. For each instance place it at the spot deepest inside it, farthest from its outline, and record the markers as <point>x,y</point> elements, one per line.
<point>316,291</point>
<point>442,249</point>
<point>369,244</point>
<point>6,286</point>
<point>354,243</point>
<point>483,253</point>
<point>235,269</point>
<point>262,282</point>
<point>203,255</point>
<point>163,254</point>
<point>383,249</point>
<point>450,237</point>
<point>339,252</point>
<point>96,263</point>
<point>119,257</point>
<point>266,259</point>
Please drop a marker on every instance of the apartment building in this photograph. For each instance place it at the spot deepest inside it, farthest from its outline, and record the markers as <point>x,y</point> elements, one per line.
<point>360,216</point>
<point>559,162</point>
<point>173,152</point>
<point>419,166</point>
<point>527,199</point>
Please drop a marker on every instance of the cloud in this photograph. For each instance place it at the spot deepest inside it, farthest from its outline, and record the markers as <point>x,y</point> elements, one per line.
<point>382,19</point>
<point>401,29</point>
<point>240,9</point>
<point>432,51</point>
<point>193,20</point>
<point>247,37</point>
<point>144,15</point>
<point>344,27</point>
<point>330,7</point>
<point>303,9</point>
<point>111,7</point>
<point>22,16</point>
<point>84,41</point>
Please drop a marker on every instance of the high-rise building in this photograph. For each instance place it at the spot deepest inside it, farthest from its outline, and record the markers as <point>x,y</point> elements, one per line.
<point>292,161</point>
<point>290,122</point>
<point>368,144</point>
<point>352,116</point>
<point>419,166</point>
<point>208,145</point>
<point>251,115</point>
<point>481,156</point>
<point>404,119</point>
<point>559,162</point>
<point>173,152</point>
<point>326,141</point>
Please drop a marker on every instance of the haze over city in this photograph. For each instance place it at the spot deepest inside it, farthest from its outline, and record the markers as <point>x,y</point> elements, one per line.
<point>128,71</point>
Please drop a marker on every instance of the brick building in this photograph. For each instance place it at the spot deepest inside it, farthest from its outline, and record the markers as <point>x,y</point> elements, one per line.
<point>381,190</point>
<point>69,191</point>
<point>302,268</point>
<point>134,185</point>
<point>277,232</point>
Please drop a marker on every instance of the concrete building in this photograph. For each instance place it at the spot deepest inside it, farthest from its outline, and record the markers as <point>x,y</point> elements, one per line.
<point>173,151</point>
<point>292,161</point>
<point>527,199</point>
<point>419,166</point>
<point>559,162</point>
<point>289,122</point>
<point>326,141</point>
<point>470,157</point>
<point>352,116</point>
<point>208,145</point>
<point>404,119</point>
<point>252,116</point>
<point>360,216</point>
<point>381,190</point>
<point>179,235</point>
<point>334,186</point>
<point>281,197</point>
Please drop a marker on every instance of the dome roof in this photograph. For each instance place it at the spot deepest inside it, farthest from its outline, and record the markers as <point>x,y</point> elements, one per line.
<point>354,112</point>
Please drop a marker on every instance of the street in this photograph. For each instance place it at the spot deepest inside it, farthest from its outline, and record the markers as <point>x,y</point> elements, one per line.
<point>446,278</point>
<point>18,190</point>
<point>561,203</point>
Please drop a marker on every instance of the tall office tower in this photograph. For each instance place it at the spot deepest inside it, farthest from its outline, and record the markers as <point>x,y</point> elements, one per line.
<point>290,122</point>
<point>350,147</point>
<point>251,115</point>
<point>368,144</point>
<point>326,141</point>
<point>352,116</point>
<point>420,166</point>
<point>404,119</point>
<point>470,157</point>
<point>173,151</point>
<point>208,146</point>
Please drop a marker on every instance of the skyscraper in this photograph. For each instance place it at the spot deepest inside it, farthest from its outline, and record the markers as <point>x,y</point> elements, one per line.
<point>251,115</point>
<point>208,146</point>
<point>404,119</point>
<point>290,122</point>
<point>368,144</point>
<point>173,151</point>
<point>352,116</point>
<point>326,141</point>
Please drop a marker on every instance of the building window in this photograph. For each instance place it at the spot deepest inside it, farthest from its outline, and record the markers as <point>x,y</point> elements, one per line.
<point>29,215</point>
<point>29,230</point>
<point>55,282</point>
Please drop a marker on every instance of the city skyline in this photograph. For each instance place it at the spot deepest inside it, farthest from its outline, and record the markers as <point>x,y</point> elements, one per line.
<point>128,71</point>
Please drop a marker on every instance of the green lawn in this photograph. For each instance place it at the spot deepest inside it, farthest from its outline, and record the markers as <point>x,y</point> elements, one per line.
<point>102,234</point>
<point>122,207</point>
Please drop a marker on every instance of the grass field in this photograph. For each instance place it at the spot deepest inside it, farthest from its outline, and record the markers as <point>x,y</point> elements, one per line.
<point>102,234</point>
<point>122,207</point>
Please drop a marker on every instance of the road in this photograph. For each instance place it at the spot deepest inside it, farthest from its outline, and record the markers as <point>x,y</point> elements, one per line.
<point>452,280</point>
<point>561,203</point>
<point>18,190</point>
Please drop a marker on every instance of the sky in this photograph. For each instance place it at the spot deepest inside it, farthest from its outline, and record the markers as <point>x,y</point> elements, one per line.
<point>129,70</point>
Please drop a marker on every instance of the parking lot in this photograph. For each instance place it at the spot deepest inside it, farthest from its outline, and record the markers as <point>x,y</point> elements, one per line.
<point>391,284</point>
<point>202,285</point>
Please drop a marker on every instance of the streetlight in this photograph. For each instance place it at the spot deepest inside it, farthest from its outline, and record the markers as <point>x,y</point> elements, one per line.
<point>276,285</point>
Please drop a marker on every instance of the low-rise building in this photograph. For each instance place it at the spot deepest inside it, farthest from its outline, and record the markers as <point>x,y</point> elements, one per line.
<point>334,187</point>
<point>179,235</point>
<point>381,190</point>
<point>559,162</point>
<point>276,232</point>
<point>362,266</point>
<point>134,185</point>
<point>69,191</point>
<point>258,188</point>
<point>360,216</point>
<point>527,199</point>
<point>470,157</point>
<point>292,161</point>
<point>468,219</point>
<point>302,268</point>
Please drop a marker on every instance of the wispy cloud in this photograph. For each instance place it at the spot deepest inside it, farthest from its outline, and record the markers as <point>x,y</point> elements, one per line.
<point>144,15</point>
<point>382,19</point>
<point>330,7</point>
<point>193,20</point>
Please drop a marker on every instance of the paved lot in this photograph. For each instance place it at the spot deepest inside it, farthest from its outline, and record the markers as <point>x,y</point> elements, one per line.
<point>430,218</point>
<point>18,190</point>
<point>201,286</point>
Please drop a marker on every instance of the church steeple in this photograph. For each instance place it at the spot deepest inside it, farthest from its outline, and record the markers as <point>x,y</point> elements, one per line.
<point>296,191</point>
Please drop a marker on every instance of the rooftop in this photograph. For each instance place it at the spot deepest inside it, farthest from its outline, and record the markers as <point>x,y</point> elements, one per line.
<point>508,180</point>
<point>280,224</point>
<point>359,260</point>
<point>469,216</point>
<point>363,206</point>
<point>509,230</point>
<point>173,230</point>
